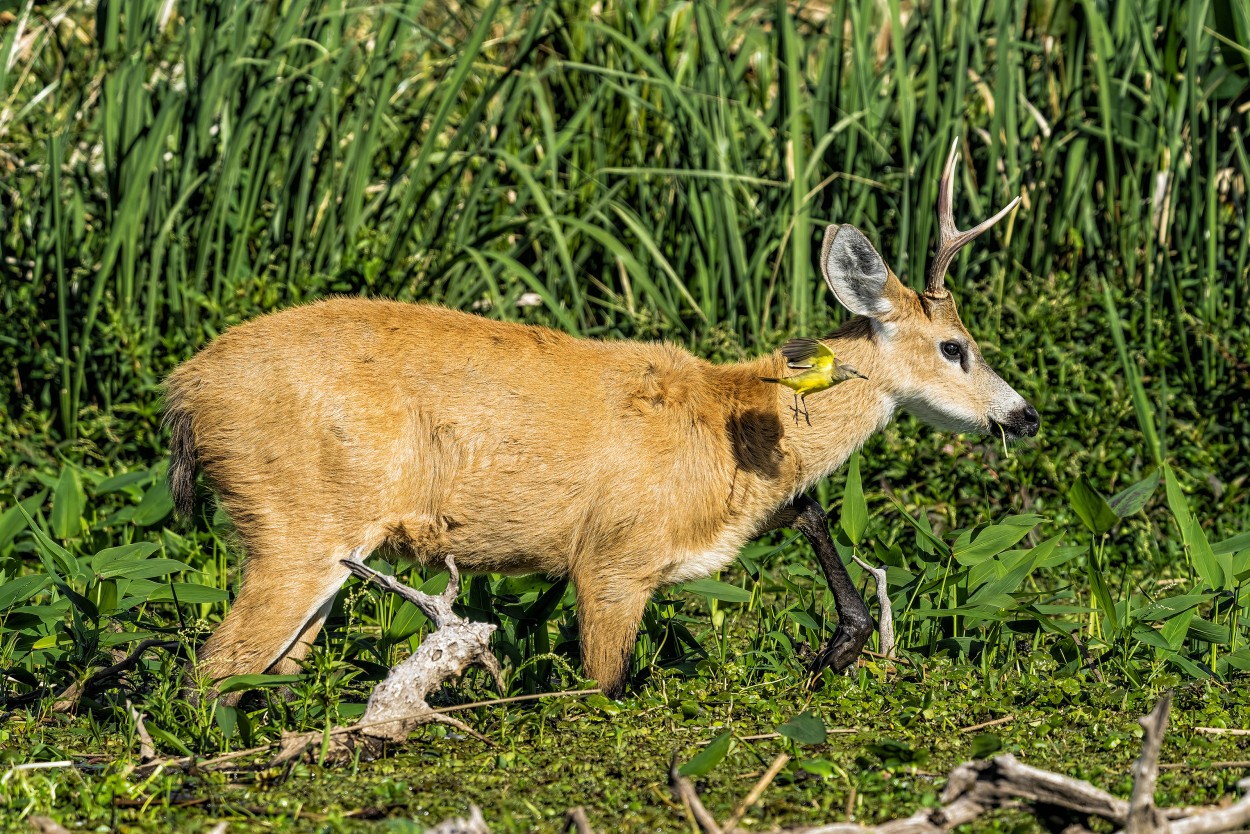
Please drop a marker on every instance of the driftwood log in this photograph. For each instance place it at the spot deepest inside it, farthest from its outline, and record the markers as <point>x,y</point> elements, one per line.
<point>398,705</point>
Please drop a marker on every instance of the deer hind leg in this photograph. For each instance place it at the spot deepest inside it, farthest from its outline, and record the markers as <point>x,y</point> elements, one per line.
<point>279,609</point>
<point>609,613</point>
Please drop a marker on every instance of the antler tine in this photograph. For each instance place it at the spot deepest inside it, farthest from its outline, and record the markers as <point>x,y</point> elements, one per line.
<point>950,239</point>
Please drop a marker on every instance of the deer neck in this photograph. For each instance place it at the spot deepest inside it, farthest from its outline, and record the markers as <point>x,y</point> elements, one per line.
<point>843,417</point>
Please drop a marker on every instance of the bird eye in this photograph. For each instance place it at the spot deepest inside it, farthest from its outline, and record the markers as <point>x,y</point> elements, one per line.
<point>952,351</point>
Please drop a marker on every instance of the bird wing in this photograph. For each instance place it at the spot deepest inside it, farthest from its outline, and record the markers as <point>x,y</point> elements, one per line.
<point>807,353</point>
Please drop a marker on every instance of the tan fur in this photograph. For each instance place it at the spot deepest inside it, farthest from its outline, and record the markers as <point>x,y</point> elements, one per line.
<point>353,424</point>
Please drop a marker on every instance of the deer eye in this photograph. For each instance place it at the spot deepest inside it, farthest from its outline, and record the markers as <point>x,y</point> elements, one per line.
<point>953,351</point>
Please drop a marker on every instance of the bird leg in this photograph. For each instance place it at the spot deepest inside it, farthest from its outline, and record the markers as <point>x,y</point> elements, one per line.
<point>855,624</point>
<point>795,409</point>
<point>806,416</point>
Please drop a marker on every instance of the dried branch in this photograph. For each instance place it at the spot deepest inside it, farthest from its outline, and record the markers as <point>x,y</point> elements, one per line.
<point>1143,817</point>
<point>147,750</point>
<point>885,628</point>
<point>756,792</point>
<point>68,700</point>
<point>577,821</point>
<point>398,704</point>
<point>689,797</point>
<point>47,825</point>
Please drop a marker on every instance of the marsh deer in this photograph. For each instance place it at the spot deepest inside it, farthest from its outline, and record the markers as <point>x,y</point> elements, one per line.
<point>349,425</point>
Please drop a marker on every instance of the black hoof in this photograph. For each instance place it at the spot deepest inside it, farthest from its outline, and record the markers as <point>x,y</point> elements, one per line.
<point>841,651</point>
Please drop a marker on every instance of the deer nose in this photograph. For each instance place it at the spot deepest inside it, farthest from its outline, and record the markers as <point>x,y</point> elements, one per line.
<point>1029,420</point>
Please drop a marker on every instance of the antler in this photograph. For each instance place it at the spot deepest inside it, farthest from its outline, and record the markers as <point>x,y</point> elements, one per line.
<point>950,239</point>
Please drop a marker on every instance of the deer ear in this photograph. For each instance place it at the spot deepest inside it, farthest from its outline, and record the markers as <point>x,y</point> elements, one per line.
<point>855,271</point>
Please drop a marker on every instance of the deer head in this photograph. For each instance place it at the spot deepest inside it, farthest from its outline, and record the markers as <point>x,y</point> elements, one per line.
<point>924,357</point>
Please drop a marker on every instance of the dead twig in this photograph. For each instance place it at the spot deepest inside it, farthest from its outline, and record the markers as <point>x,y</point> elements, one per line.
<point>756,792</point>
<point>68,699</point>
<point>147,750</point>
<point>685,793</point>
<point>1143,817</point>
<point>47,825</point>
<point>885,628</point>
<point>577,821</point>
<point>984,724</point>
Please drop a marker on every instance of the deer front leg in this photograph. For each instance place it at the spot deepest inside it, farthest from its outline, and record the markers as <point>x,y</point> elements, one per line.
<point>854,622</point>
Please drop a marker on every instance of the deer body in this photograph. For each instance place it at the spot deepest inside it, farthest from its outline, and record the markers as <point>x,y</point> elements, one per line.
<point>349,426</point>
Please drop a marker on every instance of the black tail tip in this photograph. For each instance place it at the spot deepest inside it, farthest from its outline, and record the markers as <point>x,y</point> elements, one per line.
<point>182,463</point>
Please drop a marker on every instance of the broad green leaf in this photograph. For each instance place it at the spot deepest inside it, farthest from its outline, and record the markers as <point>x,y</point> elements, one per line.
<point>854,519</point>
<point>709,757</point>
<point>13,520</point>
<point>168,738</point>
<point>823,768</point>
<point>1213,570</point>
<point>407,621</point>
<point>125,479</point>
<point>985,745</point>
<point>993,612</point>
<point>716,589</point>
<point>49,550</point>
<point>21,588</point>
<point>1151,637</point>
<point>155,506</point>
<point>1102,596</point>
<point>1239,542</point>
<point>1128,501</point>
<point>1188,666</point>
<point>1060,556</point>
<point>805,620</point>
<point>1091,507</point>
<point>135,551</point>
<point>974,547</point>
<point>1239,660</point>
<point>1209,632</point>
<point>67,504</point>
<point>227,720</point>
<point>1175,628</point>
<point>926,541</point>
<point>238,683</point>
<point>1165,608</point>
<point>1241,565</point>
<point>805,728</point>
<point>189,593</point>
<point>144,569</point>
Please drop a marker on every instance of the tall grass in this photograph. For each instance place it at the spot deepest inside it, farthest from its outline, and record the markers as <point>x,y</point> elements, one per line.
<point>641,167</point>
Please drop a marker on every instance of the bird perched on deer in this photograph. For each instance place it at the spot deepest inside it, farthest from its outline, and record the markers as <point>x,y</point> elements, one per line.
<point>821,371</point>
<point>340,428</point>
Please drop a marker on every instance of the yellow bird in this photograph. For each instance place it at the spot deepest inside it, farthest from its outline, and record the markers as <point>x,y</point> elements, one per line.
<point>820,370</point>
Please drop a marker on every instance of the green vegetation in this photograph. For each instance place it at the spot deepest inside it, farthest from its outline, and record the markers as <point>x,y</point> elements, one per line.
<point>641,170</point>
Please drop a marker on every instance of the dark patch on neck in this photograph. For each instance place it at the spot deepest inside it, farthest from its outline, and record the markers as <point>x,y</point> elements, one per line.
<point>755,437</point>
